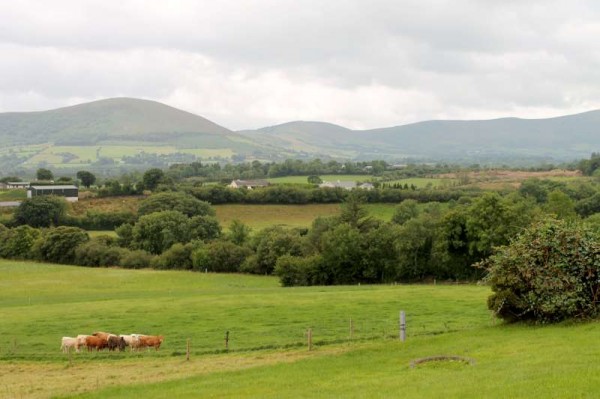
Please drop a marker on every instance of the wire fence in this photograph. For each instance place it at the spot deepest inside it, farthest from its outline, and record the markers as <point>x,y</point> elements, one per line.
<point>197,341</point>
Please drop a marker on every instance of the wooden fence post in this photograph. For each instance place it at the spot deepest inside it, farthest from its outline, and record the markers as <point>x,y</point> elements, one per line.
<point>187,350</point>
<point>402,326</point>
<point>309,338</point>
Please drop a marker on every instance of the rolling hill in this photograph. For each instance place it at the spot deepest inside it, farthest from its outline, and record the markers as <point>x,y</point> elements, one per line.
<point>560,138</point>
<point>115,131</point>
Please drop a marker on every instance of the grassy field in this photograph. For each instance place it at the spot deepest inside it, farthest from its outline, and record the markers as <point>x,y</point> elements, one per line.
<point>13,195</point>
<point>261,216</point>
<point>331,178</point>
<point>268,357</point>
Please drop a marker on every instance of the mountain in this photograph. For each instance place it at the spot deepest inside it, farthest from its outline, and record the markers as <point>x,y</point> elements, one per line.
<point>560,138</point>
<point>116,119</point>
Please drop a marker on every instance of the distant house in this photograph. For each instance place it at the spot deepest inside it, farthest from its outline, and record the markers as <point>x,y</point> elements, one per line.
<point>70,192</point>
<point>366,186</point>
<point>17,184</point>
<point>249,184</point>
<point>347,185</point>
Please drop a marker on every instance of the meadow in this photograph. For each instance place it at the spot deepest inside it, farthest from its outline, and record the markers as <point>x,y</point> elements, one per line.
<point>268,355</point>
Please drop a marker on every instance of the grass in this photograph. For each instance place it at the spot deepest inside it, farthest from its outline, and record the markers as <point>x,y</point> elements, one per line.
<point>268,357</point>
<point>331,178</point>
<point>13,195</point>
<point>261,216</point>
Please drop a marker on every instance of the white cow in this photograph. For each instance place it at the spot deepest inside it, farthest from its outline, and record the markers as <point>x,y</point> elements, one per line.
<point>67,343</point>
<point>133,340</point>
<point>81,341</point>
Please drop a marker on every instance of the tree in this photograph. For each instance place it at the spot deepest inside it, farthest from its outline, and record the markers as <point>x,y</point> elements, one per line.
<point>238,232</point>
<point>152,178</point>
<point>158,231</point>
<point>44,174</point>
<point>561,205</point>
<point>269,244</point>
<point>406,210</point>
<point>41,211</point>
<point>355,214</point>
<point>220,256</point>
<point>314,179</point>
<point>87,178</point>
<point>548,273</point>
<point>17,243</point>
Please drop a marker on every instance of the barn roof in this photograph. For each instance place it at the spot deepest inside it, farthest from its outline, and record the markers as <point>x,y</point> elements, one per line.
<point>69,187</point>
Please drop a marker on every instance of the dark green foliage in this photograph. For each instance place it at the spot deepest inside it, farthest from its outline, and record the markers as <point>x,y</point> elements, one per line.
<point>204,228</point>
<point>152,177</point>
<point>87,178</point>
<point>99,252</point>
<point>588,206</point>
<point>300,271</point>
<point>220,256</point>
<point>314,179</point>
<point>94,220</point>
<point>549,273</point>
<point>179,256</point>
<point>269,244</point>
<point>58,244</point>
<point>17,243</point>
<point>44,174</point>
<point>41,211</point>
<point>125,235</point>
<point>408,209</point>
<point>238,232</point>
<point>158,231</point>
<point>136,259</point>
<point>589,166</point>
<point>175,201</point>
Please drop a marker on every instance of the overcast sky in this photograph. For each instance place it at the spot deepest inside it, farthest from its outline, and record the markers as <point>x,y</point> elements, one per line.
<point>361,64</point>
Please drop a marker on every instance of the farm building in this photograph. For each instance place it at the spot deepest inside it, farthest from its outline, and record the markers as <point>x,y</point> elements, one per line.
<point>249,184</point>
<point>347,185</point>
<point>17,184</point>
<point>71,193</point>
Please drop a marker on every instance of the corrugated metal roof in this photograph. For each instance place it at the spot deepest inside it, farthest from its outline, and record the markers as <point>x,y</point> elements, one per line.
<point>54,187</point>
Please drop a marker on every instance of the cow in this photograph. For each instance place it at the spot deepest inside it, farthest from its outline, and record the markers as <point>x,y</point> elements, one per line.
<point>148,341</point>
<point>67,343</point>
<point>95,342</point>
<point>103,335</point>
<point>81,341</point>
<point>116,342</point>
<point>131,340</point>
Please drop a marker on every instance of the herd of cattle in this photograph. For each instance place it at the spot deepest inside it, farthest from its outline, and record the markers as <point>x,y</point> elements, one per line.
<point>112,342</point>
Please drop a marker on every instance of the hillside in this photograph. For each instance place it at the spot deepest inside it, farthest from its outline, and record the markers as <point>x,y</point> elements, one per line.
<point>560,138</point>
<point>113,119</point>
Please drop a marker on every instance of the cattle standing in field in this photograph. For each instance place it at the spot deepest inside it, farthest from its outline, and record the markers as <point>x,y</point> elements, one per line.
<point>131,340</point>
<point>148,341</point>
<point>116,342</point>
<point>68,343</point>
<point>80,341</point>
<point>103,335</point>
<point>95,342</point>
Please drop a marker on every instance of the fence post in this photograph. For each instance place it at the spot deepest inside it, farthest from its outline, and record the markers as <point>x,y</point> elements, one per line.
<point>226,340</point>
<point>309,338</point>
<point>187,350</point>
<point>402,326</point>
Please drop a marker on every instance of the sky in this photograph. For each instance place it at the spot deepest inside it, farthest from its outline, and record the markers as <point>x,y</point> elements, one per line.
<point>252,63</point>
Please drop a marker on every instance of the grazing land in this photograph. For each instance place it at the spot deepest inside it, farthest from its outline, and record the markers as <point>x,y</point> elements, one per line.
<point>267,324</point>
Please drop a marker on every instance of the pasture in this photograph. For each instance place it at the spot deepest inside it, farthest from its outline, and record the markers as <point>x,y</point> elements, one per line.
<point>267,325</point>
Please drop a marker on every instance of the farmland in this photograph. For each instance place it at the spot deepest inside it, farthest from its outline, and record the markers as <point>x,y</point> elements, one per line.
<point>267,349</point>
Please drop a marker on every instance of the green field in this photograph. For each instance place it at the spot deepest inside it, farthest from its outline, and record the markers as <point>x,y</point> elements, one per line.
<point>13,195</point>
<point>262,216</point>
<point>331,178</point>
<point>267,326</point>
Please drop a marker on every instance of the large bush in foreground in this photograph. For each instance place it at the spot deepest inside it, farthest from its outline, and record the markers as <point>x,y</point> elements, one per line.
<point>550,272</point>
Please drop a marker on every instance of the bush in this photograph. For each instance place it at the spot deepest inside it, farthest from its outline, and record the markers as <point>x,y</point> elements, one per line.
<point>549,273</point>
<point>175,201</point>
<point>58,244</point>
<point>136,259</point>
<point>179,256</point>
<point>17,243</point>
<point>300,271</point>
<point>220,256</point>
<point>41,211</point>
<point>158,231</point>
<point>97,252</point>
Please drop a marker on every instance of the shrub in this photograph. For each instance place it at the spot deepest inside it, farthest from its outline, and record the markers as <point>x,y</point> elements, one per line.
<point>300,271</point>
<point>550,272</point>
<point>158,231</point>
<point>97,252</point>
<point>17,243</point>
<point>58,244</point>
<point>136,259</point>
<point>179,256</point>
<point>175,201</point>
<point>41,211</point>
<point>220,256</point>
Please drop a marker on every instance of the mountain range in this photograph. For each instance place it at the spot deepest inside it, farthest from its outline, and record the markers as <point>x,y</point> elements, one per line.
<point>136,122</point>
